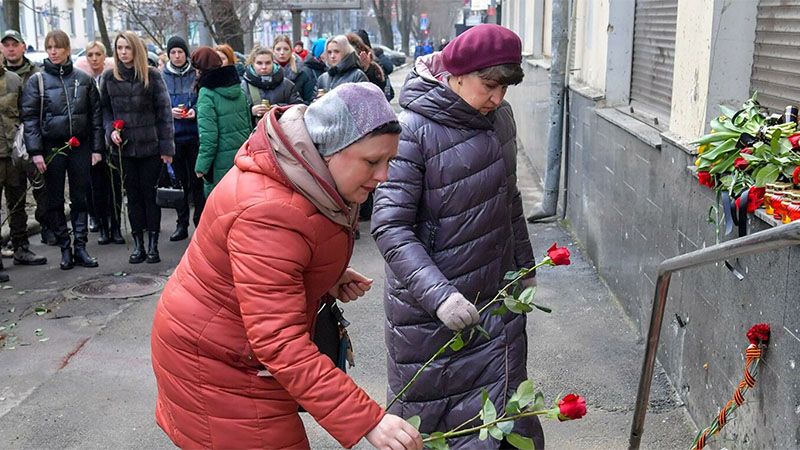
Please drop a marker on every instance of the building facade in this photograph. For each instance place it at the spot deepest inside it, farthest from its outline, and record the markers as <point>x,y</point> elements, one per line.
<point>645,78</point>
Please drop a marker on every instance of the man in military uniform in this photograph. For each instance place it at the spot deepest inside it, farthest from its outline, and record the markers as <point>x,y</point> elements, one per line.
<point>15,61</point>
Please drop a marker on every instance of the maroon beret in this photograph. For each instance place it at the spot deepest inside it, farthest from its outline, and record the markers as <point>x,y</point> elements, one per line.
<point>482,46</point>
<point>205,59</point>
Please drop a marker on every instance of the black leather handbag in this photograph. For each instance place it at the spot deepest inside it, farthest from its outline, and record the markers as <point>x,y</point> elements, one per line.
<point>169,192</point>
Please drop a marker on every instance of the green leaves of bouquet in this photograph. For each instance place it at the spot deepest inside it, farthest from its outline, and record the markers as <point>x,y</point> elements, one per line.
<point>746,148</point>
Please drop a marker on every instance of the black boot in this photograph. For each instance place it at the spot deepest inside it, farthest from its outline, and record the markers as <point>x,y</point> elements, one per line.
<point>116,234</point>
<point>152,248</point>
<point>80,230</point>
<point>137,255</point>
<point>94,224</point>
<point>24,256</point>
<point>67,261</point>
<point>104,238</point>
<point>181,233</point>
<point>48,237</point>
<point>3,276</point>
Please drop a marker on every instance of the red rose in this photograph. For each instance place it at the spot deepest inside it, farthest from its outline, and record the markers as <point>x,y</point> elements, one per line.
<point>746,151</point>
<point>740,164</point>
<point>73,142</point>
<point>705,179</point>
<point>758,333</point>
<point>755,198</point>
<point>796,175</point>
<point>794,140</point>
<point>118,124</point>
<point>558,256</point>
<point>571,407</point>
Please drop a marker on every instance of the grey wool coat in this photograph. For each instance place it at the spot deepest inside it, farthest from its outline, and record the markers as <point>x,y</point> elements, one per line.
<point>449,219</point>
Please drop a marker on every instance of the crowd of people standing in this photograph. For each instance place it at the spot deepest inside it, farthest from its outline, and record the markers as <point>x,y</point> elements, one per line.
<point>135,125</point>
<point>235,347</point>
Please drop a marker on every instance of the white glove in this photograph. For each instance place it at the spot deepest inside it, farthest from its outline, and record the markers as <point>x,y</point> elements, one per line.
<point>528,282</point>
<point>457,312</point>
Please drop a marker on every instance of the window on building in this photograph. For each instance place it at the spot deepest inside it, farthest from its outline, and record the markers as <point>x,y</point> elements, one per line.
<point>72,22</point>
<point>653,57</point>
<point>776,61</point>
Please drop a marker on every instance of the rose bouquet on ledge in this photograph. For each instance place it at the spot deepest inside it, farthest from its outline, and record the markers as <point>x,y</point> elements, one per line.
<point>747,148</point>
<point>525,402</point>
<point>745,151</point>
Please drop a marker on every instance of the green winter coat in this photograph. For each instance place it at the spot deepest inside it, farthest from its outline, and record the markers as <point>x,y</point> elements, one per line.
<point>223,120</point>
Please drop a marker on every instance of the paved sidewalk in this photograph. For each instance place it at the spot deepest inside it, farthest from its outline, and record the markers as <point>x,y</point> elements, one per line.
<point>586,346</point>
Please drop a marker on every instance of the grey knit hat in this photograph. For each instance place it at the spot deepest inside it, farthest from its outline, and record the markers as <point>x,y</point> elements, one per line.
<point>346,114</point>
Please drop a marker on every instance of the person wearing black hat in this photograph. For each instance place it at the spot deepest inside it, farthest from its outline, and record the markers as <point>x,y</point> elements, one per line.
<point>180,76</point>
<point>15,61</point>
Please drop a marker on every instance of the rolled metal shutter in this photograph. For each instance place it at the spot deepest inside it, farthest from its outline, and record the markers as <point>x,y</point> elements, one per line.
<point>654,27</point>
<point>776,55</point>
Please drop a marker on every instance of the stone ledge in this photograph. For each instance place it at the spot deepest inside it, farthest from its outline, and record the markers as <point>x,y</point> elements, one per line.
<point>679,142</point>
<point>637,128</point>
<point>540,63</point>
<point>586,91</point>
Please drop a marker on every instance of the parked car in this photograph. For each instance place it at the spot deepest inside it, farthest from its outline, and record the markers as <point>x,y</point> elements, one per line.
<point>36,57</point>
<point>397,58</point>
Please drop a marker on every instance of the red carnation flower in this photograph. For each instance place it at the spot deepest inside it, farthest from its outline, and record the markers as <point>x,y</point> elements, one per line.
<point>746,151</point>
<point>118,124</point>
<point>758,333</point>
<point>740,164</point>
<point>73,142</point>
<point>796,175</point>
<point>705,179</point>
<point>794,140</point>
<point>571,407</point>
<point>558,256</point>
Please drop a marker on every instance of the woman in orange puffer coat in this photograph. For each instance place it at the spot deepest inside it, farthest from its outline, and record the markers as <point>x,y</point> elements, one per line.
<point>231,341</point>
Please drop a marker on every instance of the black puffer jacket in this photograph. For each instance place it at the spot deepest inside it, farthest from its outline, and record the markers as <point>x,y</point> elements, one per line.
<point>347,71</point>
<point>71,108</point>
<point>146,111</point>
<point>274,87</point>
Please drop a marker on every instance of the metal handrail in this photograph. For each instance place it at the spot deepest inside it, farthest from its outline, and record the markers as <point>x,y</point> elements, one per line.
<point>772,239</point>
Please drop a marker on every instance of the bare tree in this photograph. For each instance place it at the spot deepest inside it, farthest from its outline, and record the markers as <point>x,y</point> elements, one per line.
<point>407,22</point>
<point>442,15</point>
<point>11,13</point>
<point>231,21</point>
<point>101,24</point>
<point>383,14</point>
<point>153,17</point>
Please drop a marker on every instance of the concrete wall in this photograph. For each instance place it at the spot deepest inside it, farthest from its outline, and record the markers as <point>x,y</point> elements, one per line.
<point>632,201</point>
<point>631,206</point>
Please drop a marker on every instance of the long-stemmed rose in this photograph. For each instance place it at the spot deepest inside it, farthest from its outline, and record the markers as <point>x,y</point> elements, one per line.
<point>118,126</point>
<point>509,299</point>
<point>72,142</point>
<point>523,403</point>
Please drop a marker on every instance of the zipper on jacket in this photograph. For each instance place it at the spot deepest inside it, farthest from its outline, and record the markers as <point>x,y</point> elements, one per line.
<point>66,97</point>
<point>432,237</point>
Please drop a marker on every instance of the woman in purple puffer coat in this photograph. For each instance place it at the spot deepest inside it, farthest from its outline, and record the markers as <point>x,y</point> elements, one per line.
<point>449,223</point>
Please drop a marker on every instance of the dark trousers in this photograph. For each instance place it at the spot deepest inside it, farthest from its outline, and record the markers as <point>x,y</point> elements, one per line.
<point>75,163</point>
<point>183,165</point>
<point>105,198</point>
<point>140,176</point>
<point>39,193</point>
<point>13,182</point>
